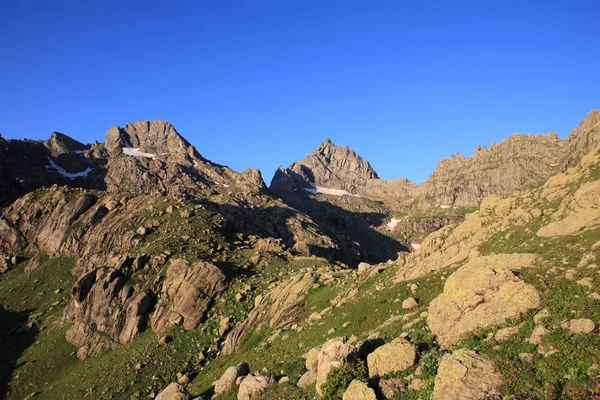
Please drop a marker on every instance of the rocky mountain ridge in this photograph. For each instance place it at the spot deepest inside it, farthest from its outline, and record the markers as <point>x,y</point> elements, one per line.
<point>145,157</point>
<point>517,163</point>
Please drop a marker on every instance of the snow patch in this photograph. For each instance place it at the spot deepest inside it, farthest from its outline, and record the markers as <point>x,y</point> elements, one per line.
<point>66,174</point>
<point>443,207</point>
<point>415,246</point>
<point>137,153</point>
<point>392,224</point>
<point>81,151</point>
<point>333,192</point>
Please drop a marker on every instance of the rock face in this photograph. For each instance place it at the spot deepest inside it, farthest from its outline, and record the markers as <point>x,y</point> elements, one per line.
<point>358,390</point>
<point>188,292</point>
<point>229,377</point>
<point>513,165</point>
<point>252,385</point>
<point>333,354</point>
<point>397,356</point>
<point>174,391</point>
<point>464,375</point>
<point>478,296</point>
<point>276,308</point>
<point>104,301</point>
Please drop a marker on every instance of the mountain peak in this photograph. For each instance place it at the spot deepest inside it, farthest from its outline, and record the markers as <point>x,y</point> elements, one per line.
<point>328,166</point>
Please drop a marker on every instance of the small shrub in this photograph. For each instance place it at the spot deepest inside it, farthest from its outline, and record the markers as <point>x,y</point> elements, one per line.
<point>339,379</point>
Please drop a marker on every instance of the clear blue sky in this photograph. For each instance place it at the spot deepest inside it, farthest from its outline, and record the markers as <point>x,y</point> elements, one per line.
<point>261,83</point>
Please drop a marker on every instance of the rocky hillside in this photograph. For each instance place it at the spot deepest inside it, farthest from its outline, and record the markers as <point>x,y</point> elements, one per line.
<point>504,305</point>
<point>183,279</point>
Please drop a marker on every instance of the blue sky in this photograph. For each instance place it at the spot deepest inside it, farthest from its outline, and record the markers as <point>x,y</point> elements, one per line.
<point>262,83</point>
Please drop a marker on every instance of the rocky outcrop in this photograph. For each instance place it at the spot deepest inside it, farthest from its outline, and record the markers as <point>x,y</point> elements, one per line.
<point>11,239</point>
<point>103,301</point>
<point>577,211</point>
<point>465,375</point>
<point>187,293</point>
<point>397,356</point>
<point>479,296</point>
<point>45,218</point>
<point>275,309</point>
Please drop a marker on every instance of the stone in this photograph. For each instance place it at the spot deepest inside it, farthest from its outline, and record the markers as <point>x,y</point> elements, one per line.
<point>363,267</point>
<point>389,388</point>
<point>359,390</point>
<point>538,335</point>
<point>465,375</point>
<point>416,384</point>
<point>392,357</point>
<point>183,380</point>
<point>409,303</point>
<point>541,315</point>
<point>581,325</point>
<point>226,382</point>
<point>174,391</point>
<point>252,386</point>
<point>506,333</point>
<point>476,297</point>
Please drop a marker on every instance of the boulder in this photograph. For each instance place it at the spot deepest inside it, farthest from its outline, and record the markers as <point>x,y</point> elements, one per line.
<point>409,303</point>
<point>334,353</point>
<point>174,391</point>
<point>358,390</point>
<point>227,380</point>
<point>476,297</point>
<point>397,356</point>
<point>307,380</point>
<point>465,375</point>
<point>251,386</point>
